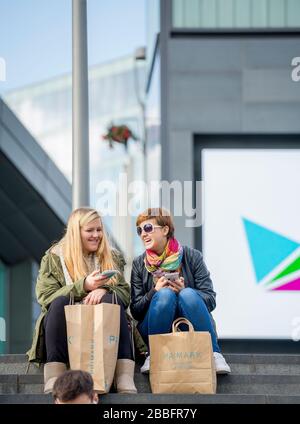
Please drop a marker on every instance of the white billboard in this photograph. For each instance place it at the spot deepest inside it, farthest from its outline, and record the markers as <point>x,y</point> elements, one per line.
<point>251,240</point>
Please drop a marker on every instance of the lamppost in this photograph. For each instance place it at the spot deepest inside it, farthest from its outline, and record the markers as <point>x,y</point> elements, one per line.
<point>80,104</point>
<point>140,54</point>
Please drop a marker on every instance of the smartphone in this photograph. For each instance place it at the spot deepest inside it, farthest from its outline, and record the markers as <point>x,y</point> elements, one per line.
<point>171,276</point>
<point>109,273</point>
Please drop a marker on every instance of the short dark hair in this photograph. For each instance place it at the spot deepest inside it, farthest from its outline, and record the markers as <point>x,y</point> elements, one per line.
<point>72,384</point>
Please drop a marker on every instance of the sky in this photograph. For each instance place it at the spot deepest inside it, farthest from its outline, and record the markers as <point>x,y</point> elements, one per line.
<point>36,36</point>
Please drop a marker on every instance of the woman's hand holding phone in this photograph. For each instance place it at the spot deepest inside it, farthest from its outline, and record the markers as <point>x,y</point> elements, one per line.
<point>172,281</point>
<point>177,285</point>
<point>161,283</point>
<point>94,280</point>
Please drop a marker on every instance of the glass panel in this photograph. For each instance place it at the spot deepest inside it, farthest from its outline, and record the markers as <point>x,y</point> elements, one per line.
<point>192,13</point>
<point>209,14</point>
<point>259,14</point>
<point>153,26</point>
<point>236,13</point>
<point>243,13</point>
<point>226,14</point>
<point>178,13</point>
<point>293,13</point>
<point>276,13</point>
<point>48,114</point>
<point>153,124</point>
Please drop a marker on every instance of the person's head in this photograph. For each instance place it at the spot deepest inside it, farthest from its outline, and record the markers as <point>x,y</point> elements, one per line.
<point>155,227</point>
<point>85,234</point>
<point>74,387</point>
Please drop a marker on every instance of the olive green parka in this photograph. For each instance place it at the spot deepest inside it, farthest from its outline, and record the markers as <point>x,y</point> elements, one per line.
<point>51,284</point>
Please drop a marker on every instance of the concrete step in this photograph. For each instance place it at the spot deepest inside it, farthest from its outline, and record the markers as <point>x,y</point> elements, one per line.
<point>260,358</point>
<point>246,358</point>
<point>25,399</point>
<point>240,364</point>
<point>255,378</point>
<point>231,384</point>
<point>151,399</point>
<point>16,364</point>
<point>243,384</point>
<point>263,364</point>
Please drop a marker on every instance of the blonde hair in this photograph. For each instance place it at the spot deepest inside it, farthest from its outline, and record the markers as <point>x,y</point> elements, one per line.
<point>72,245</point>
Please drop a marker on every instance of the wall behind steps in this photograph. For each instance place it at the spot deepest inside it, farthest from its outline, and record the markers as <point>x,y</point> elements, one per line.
<point>3,307</point>
<point>21,307</point>
<point>227,84</point>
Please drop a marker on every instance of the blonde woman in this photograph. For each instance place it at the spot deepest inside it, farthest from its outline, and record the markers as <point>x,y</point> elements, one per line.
<point>72,265</point>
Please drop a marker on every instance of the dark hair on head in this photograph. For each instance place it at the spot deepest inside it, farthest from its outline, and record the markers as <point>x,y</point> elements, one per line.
<point>162,217</point>
<point>71,384</point>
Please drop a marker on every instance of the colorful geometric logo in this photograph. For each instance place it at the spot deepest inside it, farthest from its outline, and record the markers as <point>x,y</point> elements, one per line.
<point>275,258</point>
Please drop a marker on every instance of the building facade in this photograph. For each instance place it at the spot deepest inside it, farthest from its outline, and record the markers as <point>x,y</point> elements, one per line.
<point>35,201</point>
<point>223,108</point>
<point>116,95</point>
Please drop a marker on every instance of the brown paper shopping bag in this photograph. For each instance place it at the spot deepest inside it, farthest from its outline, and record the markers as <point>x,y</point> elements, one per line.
<point>93,341</point>
<point>182,361</point>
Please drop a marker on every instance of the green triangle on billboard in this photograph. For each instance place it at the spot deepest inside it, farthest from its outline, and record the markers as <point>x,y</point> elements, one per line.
<point>293,267</point>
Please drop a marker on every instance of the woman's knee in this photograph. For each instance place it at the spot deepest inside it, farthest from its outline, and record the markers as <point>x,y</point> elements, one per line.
<point>60,302</point>
<point>56,312</point>
<point>164,297</point>
<point>189,296</point>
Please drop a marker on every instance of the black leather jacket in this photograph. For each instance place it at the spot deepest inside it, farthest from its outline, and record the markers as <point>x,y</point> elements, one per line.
<point>195,275</point>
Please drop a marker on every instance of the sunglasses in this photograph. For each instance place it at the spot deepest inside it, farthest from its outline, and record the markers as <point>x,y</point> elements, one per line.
<point>148,228</point>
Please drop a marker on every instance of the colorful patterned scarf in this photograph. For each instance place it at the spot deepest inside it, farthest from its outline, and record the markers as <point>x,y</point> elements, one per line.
<point>169,260</point>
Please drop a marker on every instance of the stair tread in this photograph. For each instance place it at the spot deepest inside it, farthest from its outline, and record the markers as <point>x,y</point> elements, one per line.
<point>222,379</point>
<point>256,378</point>
<point>148,398</point>
<point>235,358</point>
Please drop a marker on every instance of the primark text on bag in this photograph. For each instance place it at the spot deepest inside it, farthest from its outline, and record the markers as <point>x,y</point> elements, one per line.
<point>93,341</point>
<point>182,361</point>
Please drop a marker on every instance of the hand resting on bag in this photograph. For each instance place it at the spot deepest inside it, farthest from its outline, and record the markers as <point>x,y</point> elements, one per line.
<point>94,297</point>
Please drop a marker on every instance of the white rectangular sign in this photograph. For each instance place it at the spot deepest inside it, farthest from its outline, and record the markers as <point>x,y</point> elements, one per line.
<point>251,240</point>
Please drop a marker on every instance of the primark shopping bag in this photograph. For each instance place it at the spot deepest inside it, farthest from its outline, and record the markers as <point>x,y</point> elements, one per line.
<point>93,341</point>
<point>182,361</point>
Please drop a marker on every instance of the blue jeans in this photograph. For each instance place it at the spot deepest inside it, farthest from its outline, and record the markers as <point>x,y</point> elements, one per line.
<point>166,306</point>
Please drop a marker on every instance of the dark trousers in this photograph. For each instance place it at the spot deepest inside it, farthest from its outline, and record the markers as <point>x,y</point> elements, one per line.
<point>56,331</point>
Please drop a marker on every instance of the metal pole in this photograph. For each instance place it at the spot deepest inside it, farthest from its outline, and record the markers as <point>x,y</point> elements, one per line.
<point>80,181</point>
<point>144,128</point>
<point>144,142</point>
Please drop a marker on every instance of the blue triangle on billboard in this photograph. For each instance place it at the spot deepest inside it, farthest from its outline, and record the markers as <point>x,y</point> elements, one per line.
<point>267,248</point>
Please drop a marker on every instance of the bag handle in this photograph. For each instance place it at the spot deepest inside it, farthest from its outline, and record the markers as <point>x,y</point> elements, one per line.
<point>114,298</point>
<point>72,299</point>
<point>179,321</point>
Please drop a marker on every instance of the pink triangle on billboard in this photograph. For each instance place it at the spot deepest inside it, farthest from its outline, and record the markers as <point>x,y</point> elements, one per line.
<point>291,286</point>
